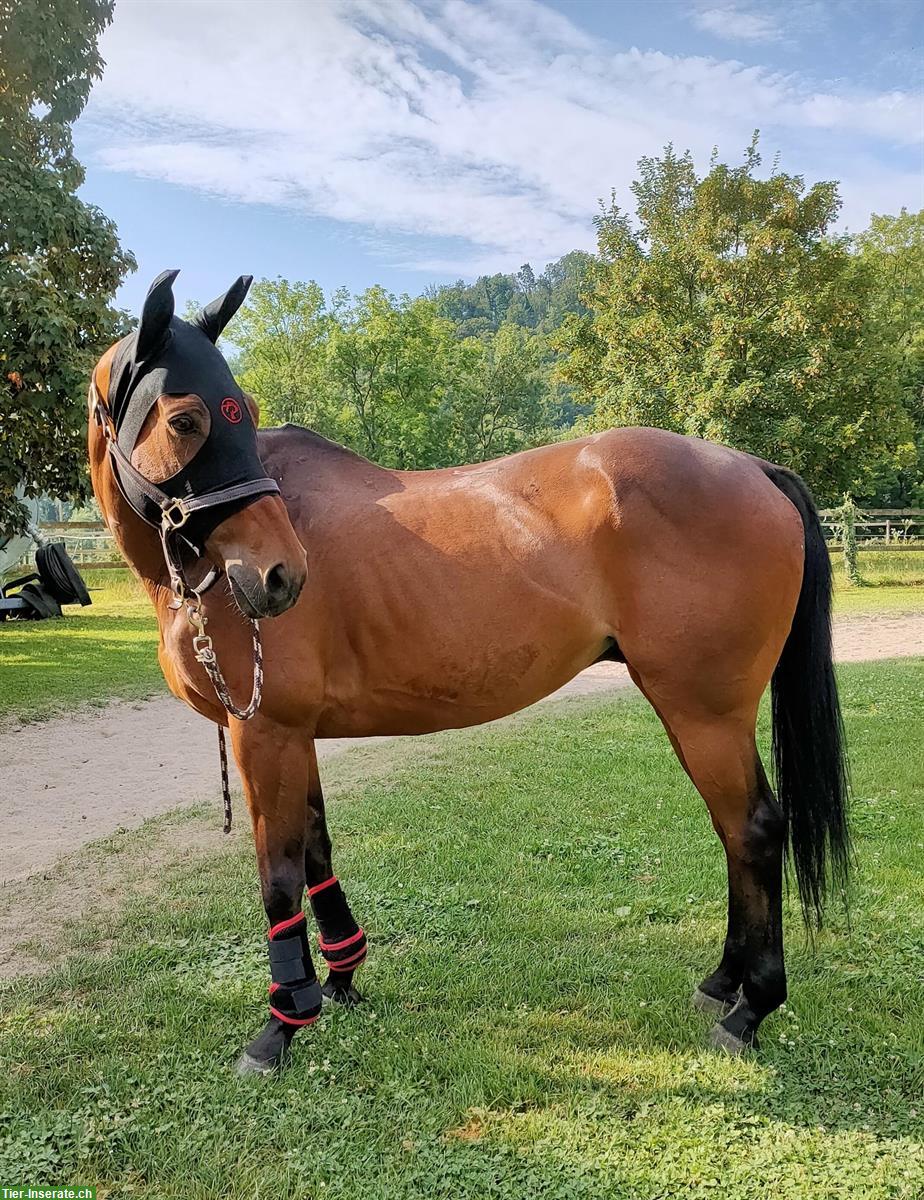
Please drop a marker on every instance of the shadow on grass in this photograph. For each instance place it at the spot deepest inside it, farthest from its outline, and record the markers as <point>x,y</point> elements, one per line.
<point>126,1064</point>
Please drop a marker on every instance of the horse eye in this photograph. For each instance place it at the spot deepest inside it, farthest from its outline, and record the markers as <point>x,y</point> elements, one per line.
<point>183,424</point>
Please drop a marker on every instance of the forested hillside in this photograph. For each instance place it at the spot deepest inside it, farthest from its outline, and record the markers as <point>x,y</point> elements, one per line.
<point>540,303</point>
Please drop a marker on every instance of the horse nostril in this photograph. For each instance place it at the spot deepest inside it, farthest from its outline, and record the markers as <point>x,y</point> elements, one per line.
<point>277,580</point>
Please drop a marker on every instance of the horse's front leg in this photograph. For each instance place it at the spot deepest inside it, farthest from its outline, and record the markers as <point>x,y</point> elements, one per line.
<point>274,762</point>
<point>342,941</point>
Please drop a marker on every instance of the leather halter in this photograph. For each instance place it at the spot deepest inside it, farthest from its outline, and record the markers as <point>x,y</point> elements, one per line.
<point>174,515</point>
<point>174,512</point>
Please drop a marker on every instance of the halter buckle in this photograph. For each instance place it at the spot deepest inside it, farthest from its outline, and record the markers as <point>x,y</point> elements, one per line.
<point>174,515</point>
<point>195,616</point>
<point>202,647</point>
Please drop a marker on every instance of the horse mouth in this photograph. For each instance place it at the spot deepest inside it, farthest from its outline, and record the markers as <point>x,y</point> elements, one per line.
<point>259,599</point>
<point>243,601</point>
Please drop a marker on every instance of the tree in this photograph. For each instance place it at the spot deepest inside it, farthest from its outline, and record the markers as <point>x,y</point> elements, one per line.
<point>500,401</point>
<point>729,312</point>
<point>535,302</point>
<point>389,361</point>
<point>389,377</point>
<point>282,335</point>
<point>892,252</point>
<point>370,371</point>
<point>563,283</point>
<point>60,260</point>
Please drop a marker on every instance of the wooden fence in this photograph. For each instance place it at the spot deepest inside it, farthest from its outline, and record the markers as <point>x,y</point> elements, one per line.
<point>896,530</point>
<point>891,529</point>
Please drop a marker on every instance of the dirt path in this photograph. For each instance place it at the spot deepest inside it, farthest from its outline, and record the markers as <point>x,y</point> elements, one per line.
<point>861,639</point>
<point>72,780</point>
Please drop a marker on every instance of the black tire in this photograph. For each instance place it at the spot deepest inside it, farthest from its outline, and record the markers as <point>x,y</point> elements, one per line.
<point>59,575</point>
<point>42,605</point>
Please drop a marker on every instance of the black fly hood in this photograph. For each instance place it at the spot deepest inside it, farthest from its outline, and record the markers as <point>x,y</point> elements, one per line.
<point>168,356</point>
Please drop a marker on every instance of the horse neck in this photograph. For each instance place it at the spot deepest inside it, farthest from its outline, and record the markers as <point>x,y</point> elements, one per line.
<point>138,542</point>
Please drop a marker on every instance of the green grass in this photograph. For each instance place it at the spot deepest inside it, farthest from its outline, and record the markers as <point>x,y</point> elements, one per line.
<point>892,582</point>
<point>108,650</point>
<point>869,601</point>
<point>885,568</point>
<point>541,899</point>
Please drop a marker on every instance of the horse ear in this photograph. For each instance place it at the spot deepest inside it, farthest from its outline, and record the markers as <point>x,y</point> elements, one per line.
<point>215,316</point>
<point>156,315</point>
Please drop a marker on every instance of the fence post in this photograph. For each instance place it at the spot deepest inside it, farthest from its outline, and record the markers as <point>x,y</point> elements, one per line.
<point>847,515</point>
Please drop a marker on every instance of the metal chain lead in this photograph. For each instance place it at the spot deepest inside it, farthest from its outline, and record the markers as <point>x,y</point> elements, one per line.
<point>205,654</point>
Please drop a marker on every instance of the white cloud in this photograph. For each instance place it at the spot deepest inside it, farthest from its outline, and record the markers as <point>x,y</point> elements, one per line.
<point>496,124</point>
<point>735,24</point>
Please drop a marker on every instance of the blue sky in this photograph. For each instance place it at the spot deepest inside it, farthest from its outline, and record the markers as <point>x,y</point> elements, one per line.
<point>407,142</point>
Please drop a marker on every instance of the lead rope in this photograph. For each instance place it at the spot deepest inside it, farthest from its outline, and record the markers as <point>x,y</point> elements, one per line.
<point>205,654</point>
<point>225,786</point>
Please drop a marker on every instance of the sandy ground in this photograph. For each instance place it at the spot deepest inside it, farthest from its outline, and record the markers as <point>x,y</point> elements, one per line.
<point>71,780</point>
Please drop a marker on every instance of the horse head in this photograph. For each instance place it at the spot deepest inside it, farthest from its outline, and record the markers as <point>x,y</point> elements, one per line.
<point>183,449</point>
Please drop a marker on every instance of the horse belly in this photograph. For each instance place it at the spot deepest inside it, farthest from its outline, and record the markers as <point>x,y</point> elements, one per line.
<point>436,673</point>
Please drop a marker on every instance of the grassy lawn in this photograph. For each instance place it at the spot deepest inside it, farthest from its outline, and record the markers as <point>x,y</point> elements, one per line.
<point>89,657</point>
<point>541,899</point>
<point>870,601</point>
<point>886,568</point>
<point>893,583</point>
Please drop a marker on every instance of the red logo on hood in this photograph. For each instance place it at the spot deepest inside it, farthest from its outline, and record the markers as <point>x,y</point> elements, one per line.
<point>231,410</point>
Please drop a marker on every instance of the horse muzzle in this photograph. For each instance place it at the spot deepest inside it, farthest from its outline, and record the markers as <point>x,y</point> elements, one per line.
<point>268,593</point>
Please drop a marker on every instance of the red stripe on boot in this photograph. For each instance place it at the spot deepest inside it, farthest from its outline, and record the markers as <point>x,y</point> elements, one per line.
<point>287,924</point>
<point>340,945</point>
<point>292,1020</point>
<point>347,964</point>
<point>319,887</point>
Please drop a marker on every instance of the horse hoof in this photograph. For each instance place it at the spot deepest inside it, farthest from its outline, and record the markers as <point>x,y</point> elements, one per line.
<point>268,1051</point>
<point>712,1005</point>
<point>348,997</point>
<point>722,1040</point>
<point>247,1065</point>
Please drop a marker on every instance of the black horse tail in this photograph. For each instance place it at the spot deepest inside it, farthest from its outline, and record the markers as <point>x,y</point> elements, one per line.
<point>809,755</point>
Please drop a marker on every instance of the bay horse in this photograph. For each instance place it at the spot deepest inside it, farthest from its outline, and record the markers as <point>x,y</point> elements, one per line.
<point>405,602</point>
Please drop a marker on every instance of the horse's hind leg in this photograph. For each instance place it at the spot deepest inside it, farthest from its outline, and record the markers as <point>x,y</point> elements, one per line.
<point>274,765</point>
<point>752,958</point>
<point>720,756</point>
<point>342,941</point>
